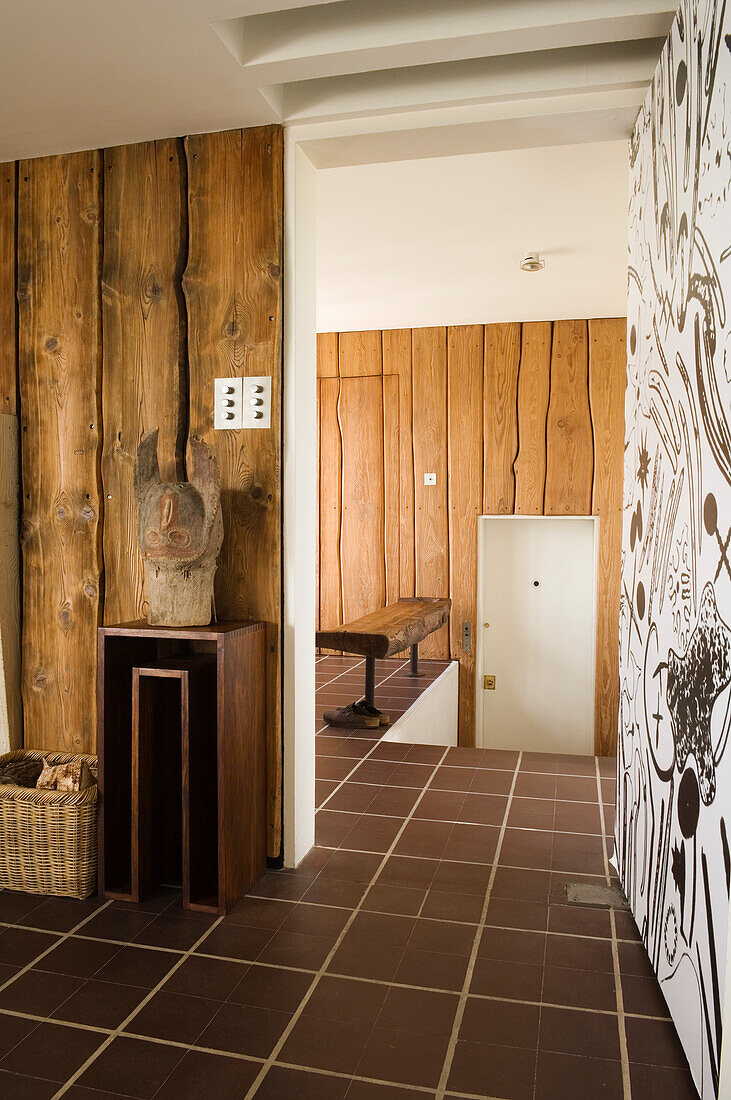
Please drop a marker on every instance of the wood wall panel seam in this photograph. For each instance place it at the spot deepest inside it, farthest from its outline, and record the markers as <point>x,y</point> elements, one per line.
<point>327,355</point>
<point>391,486</point>
<point>396,356</point>
<point>59,219</point>
<point>465,461</point>
<point>142,377</point>
<point>360,353</point>
<point>532,411</point>
<point>362,527</point>
<point>570,447</point>
<point>431,521</point>
<point>502,363</point>
<point>607,368</point>
<point>331,609</point>
<point>8,300</point>
<point>232,287</point>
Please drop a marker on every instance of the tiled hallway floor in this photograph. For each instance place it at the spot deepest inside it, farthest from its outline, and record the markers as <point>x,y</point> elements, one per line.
<point>340,680</point>
<point>423,949</point>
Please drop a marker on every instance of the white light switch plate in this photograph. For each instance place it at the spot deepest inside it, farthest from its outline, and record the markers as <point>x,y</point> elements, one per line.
<point>228,396</point>
<point>430,479</point>
<point>257,402</point>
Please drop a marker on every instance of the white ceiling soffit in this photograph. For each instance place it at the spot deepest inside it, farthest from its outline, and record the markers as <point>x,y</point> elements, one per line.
<point>355,36</point>
<point>602,68</point>
<point>527,124</point>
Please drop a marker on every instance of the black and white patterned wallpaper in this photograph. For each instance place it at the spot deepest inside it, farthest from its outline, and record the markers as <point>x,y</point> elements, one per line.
<point>673,833</point>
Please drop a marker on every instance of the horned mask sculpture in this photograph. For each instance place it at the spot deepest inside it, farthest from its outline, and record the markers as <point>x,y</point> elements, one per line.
<point>180,531</point>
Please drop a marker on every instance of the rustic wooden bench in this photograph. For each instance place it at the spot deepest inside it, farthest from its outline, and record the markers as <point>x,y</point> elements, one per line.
<point>390,630</point>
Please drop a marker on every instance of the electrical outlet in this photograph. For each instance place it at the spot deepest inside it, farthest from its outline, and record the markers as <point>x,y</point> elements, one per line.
<point>257,402</point>
<point>228,406</point>
<point>430,479</point>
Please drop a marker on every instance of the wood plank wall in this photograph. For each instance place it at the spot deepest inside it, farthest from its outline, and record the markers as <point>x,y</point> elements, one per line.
<point>143,272</point>
<point>524,419</point>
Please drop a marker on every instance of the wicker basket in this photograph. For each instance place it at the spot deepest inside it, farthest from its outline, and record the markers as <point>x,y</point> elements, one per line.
<point>48,838</point>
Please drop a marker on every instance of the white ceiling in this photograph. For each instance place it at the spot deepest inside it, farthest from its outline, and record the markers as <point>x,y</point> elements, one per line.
<point>439,241</point>
<point>85,73</point>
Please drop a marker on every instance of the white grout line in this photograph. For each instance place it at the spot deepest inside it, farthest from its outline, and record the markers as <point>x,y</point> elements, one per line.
<point>318,974</point>
<point>456,1026</point>
<point>351,668</point>
<point>621,1027</point>
<point>469,862</point>
<point>624,1055</point>
<point>366,757</point>
<point>331,954</point>
<point>602,823</point>
<point>477,824</point>
<point>49,932</point>
<point>59,938</point>
<point>420,1090</point>
<point>52,1020</point>
<point>145,1001</point>
<point>451,790</point>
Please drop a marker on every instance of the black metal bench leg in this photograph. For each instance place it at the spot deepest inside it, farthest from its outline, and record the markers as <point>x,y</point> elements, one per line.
<point>414,663</point>
<point>370,681</point>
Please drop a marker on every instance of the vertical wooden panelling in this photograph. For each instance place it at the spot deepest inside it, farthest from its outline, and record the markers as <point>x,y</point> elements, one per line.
<point>362,551</point>
<point>533,391</point>
<point>465,358</point>
<point>502,362</point>
<point>327,367</point>
<point>391,487</point>
<point>360,353</point>
<point>429,383</point>
<point>607,374</point>
<point>11,715</point>
<point>233,294</point>
<point>8,376</point>
<point>59,371</point>
<point>569,445</point>
<point>327,355</point>
<point>331,602</point>
<point>503,386</point>
<point>143,379</point>
<point>11,730</point>
<point>397,360</point>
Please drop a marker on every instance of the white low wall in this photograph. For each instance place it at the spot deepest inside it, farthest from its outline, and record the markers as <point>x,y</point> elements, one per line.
<point>432,720</point>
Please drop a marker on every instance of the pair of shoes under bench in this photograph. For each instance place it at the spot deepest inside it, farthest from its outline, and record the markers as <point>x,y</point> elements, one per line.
<point>372,712</point>
<point>356,716</point>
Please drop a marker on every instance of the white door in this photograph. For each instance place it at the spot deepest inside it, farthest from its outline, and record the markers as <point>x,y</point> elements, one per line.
<point>537,623</point>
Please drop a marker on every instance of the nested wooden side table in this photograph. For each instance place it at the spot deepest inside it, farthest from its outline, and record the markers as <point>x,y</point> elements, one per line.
<point>181,743</point>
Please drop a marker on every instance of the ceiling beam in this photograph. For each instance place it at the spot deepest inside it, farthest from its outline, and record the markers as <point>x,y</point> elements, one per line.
<point>616,66</point>
<point>353,36</point>
<point>559,120</point>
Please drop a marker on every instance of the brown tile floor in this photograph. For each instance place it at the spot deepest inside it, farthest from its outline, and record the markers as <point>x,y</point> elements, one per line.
<point>423,949</point>
<point>340,680</point>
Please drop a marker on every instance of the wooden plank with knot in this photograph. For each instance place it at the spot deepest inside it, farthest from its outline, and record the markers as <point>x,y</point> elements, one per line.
<point>390,630</point>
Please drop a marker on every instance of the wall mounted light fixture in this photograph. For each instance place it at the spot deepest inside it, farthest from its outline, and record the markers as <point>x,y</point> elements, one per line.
<point>532,261</point>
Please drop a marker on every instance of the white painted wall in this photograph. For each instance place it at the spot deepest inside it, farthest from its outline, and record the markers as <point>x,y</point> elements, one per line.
<point>439,241</point>
<point>433,718</point>
<point>300,512</point>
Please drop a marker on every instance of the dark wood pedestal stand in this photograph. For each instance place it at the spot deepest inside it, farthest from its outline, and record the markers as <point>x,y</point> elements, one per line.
<point>182,761</point>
